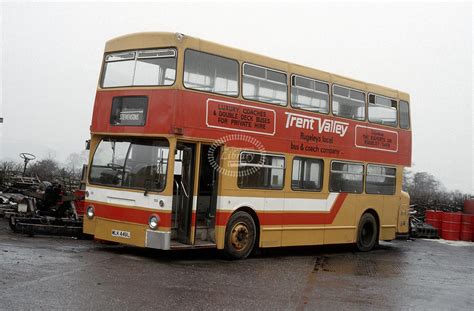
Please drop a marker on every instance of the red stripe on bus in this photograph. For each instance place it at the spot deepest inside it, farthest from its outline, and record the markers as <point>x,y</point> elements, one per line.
<point>288,218</point>
<point>129,214</point>
<point>267,219</point>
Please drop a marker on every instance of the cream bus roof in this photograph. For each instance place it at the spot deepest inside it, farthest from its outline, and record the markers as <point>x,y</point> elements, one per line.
<point>168,39</point>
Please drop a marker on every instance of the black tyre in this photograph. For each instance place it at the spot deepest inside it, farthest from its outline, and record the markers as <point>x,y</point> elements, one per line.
<point>367,233</point>
<point>240,235</point>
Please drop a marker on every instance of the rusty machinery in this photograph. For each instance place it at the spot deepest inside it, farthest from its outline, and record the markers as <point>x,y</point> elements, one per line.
<point>41,207</point>
<point>50,211</point>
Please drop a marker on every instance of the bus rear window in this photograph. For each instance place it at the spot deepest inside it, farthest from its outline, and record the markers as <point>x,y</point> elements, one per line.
<point>130,163</point>
<point>140,68</point>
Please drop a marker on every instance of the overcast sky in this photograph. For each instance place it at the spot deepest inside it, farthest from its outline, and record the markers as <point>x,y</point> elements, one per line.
<point>51,54</point>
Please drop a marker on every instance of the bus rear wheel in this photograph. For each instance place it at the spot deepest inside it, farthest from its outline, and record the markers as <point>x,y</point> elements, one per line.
<point>240,235</point>
<point>367,233</point>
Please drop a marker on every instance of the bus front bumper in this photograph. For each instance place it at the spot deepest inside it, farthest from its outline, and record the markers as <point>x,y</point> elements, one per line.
<point>127,233</point>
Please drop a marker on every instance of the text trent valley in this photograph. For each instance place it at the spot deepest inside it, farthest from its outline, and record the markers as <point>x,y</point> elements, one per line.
<point>307,122</point>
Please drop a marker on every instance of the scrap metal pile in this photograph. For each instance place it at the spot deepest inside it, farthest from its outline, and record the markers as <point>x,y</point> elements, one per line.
<point>41,207</point>
<point>420,229</point>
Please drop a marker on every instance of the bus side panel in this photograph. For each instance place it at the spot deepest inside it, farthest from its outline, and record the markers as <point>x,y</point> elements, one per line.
<point>303,235</point>
<point>403,213</point>
<point>343,229</point>
<point>297,232</point>
<point>390,215</point>
<point>220,237</point>
<point>271,220</point>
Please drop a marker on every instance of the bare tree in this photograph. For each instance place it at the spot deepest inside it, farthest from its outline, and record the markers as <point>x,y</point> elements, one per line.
<point>45,169</point>
<point>407,179</point>
<point>427,192</point>
<point>75,161</point>
<point>7,169</point>
<point>424,185</point>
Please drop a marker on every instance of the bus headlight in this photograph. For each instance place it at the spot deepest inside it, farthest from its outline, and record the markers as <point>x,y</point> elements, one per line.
<point>90,212</point>
<point>153,222</point>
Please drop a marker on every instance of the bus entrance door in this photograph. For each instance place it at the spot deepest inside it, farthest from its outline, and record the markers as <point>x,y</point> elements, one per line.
<point>183,191</point>
<point>207,194</point>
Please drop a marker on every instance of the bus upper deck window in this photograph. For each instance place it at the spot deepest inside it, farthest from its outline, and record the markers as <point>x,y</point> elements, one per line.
<point>211,73</point>
<point>348,103</point>
<point>264,84</point>
<point>140,68</point>
<point>382,110</point>
<point>309,94</point>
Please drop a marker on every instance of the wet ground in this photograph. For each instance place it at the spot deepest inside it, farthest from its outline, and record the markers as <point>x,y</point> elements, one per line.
<point>63,273</point>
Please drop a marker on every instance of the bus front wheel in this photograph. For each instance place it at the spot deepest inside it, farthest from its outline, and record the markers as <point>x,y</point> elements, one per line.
<point>367,233</point>
<point>240,235</point>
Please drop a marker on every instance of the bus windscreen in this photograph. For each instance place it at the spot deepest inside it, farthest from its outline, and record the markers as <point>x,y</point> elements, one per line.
<point>130,163</point>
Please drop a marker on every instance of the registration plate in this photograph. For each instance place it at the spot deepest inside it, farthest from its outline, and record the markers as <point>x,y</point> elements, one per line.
<point>121,234</point>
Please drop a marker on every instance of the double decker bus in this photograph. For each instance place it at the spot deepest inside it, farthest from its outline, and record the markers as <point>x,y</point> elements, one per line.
<point>199,145</point>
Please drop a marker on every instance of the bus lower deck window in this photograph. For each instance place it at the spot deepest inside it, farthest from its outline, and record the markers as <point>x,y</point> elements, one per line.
<point>307,174</point>
<point>261,171</point>
<point>380,179</point>
<point>346,177</point>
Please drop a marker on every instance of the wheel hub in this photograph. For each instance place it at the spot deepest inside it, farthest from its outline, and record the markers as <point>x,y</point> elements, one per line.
<point>239,236</point>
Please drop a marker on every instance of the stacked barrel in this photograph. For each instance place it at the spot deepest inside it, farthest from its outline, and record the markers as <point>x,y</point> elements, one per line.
<point>467,221</point>
<point>453,226</point>
<point>434,218</point>
<point>467,227</point>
